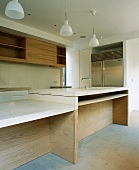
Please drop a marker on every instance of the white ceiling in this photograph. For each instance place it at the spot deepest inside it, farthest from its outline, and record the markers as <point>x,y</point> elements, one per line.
<point>113,17</point>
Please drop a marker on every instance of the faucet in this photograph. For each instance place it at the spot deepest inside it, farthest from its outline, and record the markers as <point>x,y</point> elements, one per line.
<point>86,78</point>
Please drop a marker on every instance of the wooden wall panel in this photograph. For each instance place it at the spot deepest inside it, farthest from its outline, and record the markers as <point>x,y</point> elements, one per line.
<point>22,143</point>
<point>93,117</point>
<point>63,136</point>
<point>39,52</point>
<point>120,110</point>
<point>36,60</point>
<point>40,44</point>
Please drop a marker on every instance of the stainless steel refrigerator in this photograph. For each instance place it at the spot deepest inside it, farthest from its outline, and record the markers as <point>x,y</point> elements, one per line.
<point>107,73</point>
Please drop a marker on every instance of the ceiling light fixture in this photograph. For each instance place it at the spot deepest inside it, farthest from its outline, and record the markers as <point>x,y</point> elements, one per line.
<point>66,29</point>
<point>93,41</point>
<point>14,10</point>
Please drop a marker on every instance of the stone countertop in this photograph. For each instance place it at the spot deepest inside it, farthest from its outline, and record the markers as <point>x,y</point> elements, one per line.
<point>12,113</point>
<point>75,92</point>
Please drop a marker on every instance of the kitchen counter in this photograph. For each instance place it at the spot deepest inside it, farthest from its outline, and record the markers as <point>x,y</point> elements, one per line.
<point>75,92</point>
<point>21,111</point>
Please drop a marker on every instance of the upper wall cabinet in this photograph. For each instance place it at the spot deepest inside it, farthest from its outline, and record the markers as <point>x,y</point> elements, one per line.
<point>39,52</point>
<point>12,47</point>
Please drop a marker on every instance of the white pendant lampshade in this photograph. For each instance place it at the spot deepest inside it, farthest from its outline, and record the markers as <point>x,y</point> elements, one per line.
<point>14,10</point>
<point>66,29</point>
<point>93,41</point>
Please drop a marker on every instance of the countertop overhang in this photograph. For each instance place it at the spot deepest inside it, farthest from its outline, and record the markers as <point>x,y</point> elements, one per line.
<point>21,111</point>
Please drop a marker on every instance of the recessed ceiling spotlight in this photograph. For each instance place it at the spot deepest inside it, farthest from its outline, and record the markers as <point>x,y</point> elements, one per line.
<point>55,25</point>
<point>101,37</point>
<point>82,36</point>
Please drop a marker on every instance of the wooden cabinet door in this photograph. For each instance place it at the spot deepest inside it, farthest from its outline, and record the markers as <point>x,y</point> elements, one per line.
<point>38,52</point>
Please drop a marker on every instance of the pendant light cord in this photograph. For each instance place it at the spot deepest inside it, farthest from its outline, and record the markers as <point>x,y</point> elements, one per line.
<point>93,13</point>
<point>66,15</point>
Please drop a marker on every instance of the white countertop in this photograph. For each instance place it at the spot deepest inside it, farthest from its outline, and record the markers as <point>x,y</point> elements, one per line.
<point>77,91</point>
<point>21,111</point>
<point>16,112</point>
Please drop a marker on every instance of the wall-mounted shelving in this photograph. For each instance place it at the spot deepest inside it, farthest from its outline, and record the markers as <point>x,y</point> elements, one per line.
<point>12,47</point>
<point>15,48</point>
<point>61,56</point>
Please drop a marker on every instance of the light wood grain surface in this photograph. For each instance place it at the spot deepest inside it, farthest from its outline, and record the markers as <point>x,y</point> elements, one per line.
<point>63,136</point>
<point>94,117</point>
<point>38,52</point>
<point>22,143</point>
<point>14,89</point>
<point>120,111</point>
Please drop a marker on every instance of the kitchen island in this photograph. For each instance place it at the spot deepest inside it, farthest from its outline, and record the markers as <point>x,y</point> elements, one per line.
<point>55,120</point>
<point>97,107</point>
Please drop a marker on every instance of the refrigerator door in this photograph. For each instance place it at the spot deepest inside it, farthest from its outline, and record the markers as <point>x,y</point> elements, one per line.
<point>97,74</point>
<point>113,73</point>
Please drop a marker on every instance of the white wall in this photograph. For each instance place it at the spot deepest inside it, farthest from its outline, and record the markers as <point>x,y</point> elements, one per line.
<point>72,68</point>
<point>78,64</point>
<point>132,72</point>
<point>129,71</point>
<point>85,67</point>
<point>135,80</point>
<point>27,75</point>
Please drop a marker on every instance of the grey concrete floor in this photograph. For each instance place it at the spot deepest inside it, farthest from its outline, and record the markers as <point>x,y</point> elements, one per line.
<point>115,147</point>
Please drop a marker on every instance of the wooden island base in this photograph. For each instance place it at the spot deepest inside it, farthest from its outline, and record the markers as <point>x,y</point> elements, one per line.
<point>22,143</point>
<point>60,134</point>
<point>95,116</point>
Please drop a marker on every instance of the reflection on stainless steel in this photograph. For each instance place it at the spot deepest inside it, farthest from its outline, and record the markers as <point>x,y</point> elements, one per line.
<point>108,73</point>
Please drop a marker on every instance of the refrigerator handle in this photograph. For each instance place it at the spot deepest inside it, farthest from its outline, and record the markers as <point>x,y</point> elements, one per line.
<point>103,74</point>
<point>102,84</point>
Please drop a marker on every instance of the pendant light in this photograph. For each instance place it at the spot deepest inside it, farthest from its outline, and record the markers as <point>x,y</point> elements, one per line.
<point>66,29</point>
<point>93,41</point>
<point>14,10</point>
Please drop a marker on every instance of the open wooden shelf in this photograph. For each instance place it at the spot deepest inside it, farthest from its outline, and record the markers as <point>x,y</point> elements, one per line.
<point>11,59</point>
<point>59,65</point>
<point>61,56</point>
<point>15,48</point>
<point>11,46</point>
<point>101,99</point>
<point>58,55</point>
